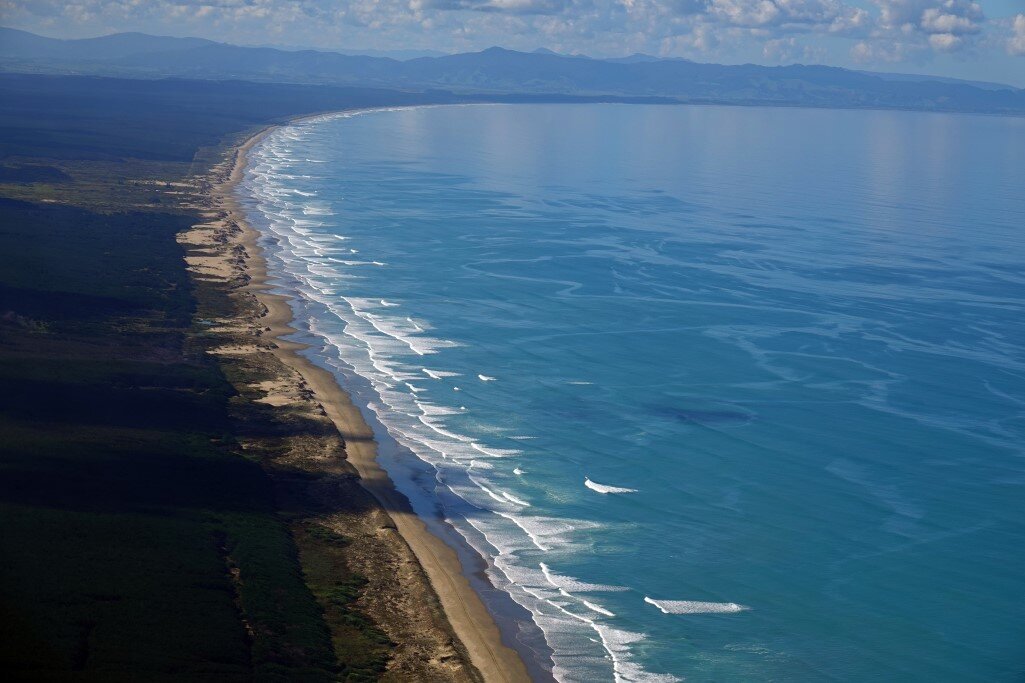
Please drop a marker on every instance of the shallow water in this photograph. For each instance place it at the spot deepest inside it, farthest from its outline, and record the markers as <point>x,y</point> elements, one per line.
<point>719,393</point>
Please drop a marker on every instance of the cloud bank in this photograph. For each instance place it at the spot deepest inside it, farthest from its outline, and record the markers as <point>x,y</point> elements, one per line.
<point>768,31</point>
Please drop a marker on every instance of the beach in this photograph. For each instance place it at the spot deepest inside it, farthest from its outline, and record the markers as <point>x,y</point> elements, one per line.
<point>617,399</point>
<point>225,248</point>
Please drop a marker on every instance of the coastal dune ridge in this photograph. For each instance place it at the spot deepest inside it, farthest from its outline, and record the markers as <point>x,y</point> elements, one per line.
<point>469,618</point>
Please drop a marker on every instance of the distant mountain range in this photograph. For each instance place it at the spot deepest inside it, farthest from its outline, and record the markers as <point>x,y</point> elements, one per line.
<point>501,71</point>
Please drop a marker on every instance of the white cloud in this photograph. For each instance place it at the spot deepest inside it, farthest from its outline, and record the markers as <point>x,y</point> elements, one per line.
<point>702,40</point>
<point>880,51</point>
<point>745,12</point>
<point>831,15</point>
<point>850,20</point>
<point>497,6</point>
<point>775,31</point>
<point>790,50</point>
<point>1016,43</point>
<point>945,42</point>
<point>936,21</point>
<point>908,26</point>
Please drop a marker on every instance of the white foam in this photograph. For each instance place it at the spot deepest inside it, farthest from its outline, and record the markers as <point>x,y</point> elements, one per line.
<point>546,532</point>
<point>695,606</point>
<point>598,608</point>
<point>515,499</point>
<point>568,583</point>
<point>396,329</point>
<point>360,336</point>
<point>494,452</point>
<point>317,210</point>
<point>434,426</point>
<point>431,409</point>
<point>439,374</point>
<point>497,496</point>
<point>387,304</point>
<point>517,470</point>
<point>615,642</point>
<point>602,488</point>
<point>535,539</point>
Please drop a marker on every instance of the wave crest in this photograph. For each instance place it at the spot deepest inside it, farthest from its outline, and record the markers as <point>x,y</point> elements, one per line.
<point>602,488</point>
<point>695,606</point>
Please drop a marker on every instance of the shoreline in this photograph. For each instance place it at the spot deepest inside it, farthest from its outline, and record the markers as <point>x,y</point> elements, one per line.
<point>464,609</point>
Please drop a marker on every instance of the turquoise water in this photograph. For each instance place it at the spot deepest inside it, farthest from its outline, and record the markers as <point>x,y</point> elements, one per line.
<point>723,394</point>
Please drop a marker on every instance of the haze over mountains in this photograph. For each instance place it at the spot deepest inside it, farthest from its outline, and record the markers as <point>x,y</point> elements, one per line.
<point>500,71</point>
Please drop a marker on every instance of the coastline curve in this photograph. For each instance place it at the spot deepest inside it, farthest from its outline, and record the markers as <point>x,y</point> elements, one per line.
<point>470,619</point>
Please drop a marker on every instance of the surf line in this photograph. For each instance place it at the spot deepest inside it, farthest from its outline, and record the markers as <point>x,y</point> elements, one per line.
<point>695,606</point>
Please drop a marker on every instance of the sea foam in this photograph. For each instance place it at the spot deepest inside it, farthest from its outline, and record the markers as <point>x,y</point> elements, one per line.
<point>602,488</point>
<point>695,606</point>
<point>359,336</point>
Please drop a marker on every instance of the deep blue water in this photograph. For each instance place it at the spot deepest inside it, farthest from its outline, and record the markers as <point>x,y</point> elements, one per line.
<point>797,336</point>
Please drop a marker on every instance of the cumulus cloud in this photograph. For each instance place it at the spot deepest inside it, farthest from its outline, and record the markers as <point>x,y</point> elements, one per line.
<point>499,6</point>
<point>936,20</point>
<point>799,14</point>
<point>1016,43</point>
<point>913,27</point>
<point>880,51</point>
<point>945,42</point>
<point>790,50</point>
<point>745,12</point>
<point>930,17</point>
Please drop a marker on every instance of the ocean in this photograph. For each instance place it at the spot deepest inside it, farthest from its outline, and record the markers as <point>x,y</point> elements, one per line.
<point>712,393</point>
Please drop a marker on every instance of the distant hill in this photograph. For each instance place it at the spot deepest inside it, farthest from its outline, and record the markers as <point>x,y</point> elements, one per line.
<point>400,55</point>
<point>22,45</point>
<point>501,71</point>
<point>985,85</point>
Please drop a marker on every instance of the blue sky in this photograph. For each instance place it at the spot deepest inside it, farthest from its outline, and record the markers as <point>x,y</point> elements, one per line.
<point>976,39</point>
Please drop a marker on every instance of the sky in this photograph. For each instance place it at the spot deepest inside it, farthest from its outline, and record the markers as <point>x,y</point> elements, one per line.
<point>974,39</point>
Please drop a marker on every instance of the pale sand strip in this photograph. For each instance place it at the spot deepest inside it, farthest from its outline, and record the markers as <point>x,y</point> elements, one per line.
<point>470,619</point>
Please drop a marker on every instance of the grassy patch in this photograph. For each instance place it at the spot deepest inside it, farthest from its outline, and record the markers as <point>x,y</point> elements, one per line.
<point>362,649</point>
<point>32,173</point>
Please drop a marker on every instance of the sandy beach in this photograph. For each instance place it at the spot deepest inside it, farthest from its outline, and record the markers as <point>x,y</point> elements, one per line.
<point>232,254</point>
